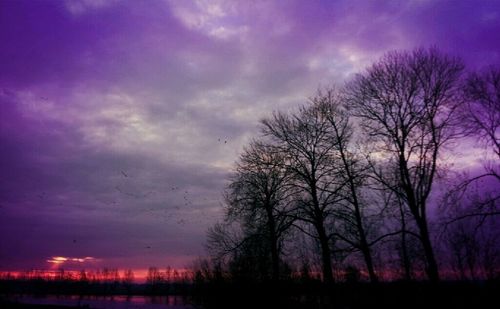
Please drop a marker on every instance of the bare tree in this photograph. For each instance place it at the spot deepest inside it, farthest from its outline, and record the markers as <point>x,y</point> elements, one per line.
<point>352,172</point>
<point>463,248</point>
<point>474,252</point>
<point>153,276</point>
<point>471,198</point>
<point>128,280</point>
<point>481,113</point>
<point>480,118</point>
<point>394,217</point>
<point>259,197</point>
<point>407,102</point>
<point>470,230</point>
<point>306,140</point>
<point>405,244</point>
<point>223,239</point>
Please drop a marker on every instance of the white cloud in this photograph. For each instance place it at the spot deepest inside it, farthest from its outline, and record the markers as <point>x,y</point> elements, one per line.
<point>218,19</point>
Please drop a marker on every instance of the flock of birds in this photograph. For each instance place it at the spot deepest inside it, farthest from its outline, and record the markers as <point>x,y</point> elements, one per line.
<point>167,213</point>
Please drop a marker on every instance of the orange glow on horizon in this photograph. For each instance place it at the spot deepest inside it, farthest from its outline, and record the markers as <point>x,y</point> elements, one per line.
<point>58,260</point>
<point>139,275</point>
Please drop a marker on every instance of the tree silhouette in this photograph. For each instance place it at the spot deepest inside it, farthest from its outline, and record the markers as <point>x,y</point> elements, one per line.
<point>480,115</point>
<point>480,118</point>
<point>259,196</point>
<point>407,102</point>
<point>306,140</point>
<point>352,172</point>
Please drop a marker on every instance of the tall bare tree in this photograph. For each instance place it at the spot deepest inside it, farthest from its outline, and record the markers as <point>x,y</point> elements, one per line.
<point>305,139</point>
<point>259,196</point>
<point>352,172</point>
<point>407,102</point>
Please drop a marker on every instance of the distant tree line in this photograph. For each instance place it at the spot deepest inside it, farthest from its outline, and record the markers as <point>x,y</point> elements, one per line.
<point>358,183</point>
<point>105,281</point>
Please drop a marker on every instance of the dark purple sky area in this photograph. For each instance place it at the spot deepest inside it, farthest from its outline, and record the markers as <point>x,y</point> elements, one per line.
<point>120,120</point>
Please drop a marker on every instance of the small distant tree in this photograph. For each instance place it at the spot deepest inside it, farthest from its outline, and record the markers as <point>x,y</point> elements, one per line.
<point>105,275</point>
<point>115,275</point>
<point>128,276</point>
<point>351,274</point>
<point>82,276</point>
<point>463,247</point>
<point>128,280</point>
<point>154,279</point>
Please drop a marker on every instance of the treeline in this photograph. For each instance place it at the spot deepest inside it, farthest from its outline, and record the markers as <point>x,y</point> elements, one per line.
<point>359,183</point>
<point>98,282</point>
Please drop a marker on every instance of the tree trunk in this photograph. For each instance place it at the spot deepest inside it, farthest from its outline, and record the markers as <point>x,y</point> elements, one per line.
<point>326,255</point>
<point>418,212</point>
<point>365,249</point>
<point>273,239</point>
<point>404,248</point>
<point>364,246</point>
<point>432,268</point>
<point>275,260</point>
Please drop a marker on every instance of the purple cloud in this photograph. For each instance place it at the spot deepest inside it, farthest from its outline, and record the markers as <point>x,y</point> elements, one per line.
<point>120,120</point>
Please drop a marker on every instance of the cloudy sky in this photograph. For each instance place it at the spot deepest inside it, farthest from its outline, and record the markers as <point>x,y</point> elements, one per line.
<point>120,120</point>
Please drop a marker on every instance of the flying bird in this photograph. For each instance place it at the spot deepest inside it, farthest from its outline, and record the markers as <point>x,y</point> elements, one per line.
<point>124,174</point>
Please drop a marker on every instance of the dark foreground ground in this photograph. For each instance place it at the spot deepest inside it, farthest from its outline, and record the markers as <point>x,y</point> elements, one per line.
<point>361,295</point>
<point>17,305</point>
<point>315,295</point>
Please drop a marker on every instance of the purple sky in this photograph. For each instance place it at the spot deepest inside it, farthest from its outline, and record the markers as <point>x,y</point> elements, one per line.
<point>114,115</point>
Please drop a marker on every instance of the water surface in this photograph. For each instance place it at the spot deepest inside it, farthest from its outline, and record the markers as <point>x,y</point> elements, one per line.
<point>108,302</point>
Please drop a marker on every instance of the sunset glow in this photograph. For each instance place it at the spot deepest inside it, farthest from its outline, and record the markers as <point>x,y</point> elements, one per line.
<point>58,260</point>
